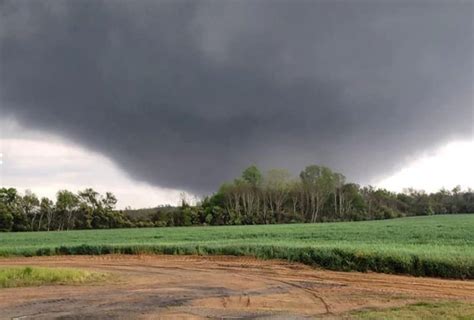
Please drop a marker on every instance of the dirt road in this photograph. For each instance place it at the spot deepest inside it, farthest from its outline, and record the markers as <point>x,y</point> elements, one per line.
<point>191,287</point>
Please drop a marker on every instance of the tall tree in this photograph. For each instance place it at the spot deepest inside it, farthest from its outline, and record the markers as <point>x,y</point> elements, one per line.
<point>249,186</point>
<point>277,189</point>
<point>6,218</point>
<point>46,210</point>
<point>318,182</point>
<point>339,181</point>
<point>252,175</point>
<point>66,204</point>
<point>29,204</point>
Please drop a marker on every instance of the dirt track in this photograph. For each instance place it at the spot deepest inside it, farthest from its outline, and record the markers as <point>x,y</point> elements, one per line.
<point>190,287</point>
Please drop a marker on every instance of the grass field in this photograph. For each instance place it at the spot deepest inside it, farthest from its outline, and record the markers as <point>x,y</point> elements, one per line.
<point>441,246</point>
<point>422,310</point>
<point>11,277</point>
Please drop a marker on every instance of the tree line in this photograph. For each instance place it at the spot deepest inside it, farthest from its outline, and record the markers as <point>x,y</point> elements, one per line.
<point>86,209</point>
<point>318,194</point>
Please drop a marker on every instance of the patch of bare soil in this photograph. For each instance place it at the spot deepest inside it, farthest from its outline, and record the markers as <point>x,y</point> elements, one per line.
<point>193,287</point>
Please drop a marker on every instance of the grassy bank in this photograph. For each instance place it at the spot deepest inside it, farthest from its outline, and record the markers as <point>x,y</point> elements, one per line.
<point>11,277</point>
<point>433,311</point>
<point>441,246</point>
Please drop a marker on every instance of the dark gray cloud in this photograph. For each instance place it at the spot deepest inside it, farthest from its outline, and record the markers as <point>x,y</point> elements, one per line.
<point>185,94</point>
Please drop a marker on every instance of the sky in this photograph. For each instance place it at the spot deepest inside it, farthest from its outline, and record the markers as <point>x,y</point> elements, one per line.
<point>148,99</point>
<point>45,163</point>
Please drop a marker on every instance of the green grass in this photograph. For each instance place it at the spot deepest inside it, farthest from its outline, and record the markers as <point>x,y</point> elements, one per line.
<point>11,277</point>
<point>435,311</point>
<point>441,246</point>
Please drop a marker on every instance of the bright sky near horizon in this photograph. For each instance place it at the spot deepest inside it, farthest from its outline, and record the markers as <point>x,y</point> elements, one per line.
<point>445,167</point>
<point>45,164</point>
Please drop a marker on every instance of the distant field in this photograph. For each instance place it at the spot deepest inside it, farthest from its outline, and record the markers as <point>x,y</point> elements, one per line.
<point>440,246</point>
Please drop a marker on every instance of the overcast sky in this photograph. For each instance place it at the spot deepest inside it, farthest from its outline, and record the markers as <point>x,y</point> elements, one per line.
<point>148,98</point>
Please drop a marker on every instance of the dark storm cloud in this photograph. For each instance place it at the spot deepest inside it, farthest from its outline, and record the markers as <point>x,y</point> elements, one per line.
<point>186,94</point>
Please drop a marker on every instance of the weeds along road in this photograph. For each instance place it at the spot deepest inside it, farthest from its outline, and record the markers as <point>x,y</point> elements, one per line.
<point>193,287</point>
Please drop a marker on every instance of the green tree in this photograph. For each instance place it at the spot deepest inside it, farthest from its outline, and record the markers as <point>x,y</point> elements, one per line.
<point>29,205</point>
<point>46,211</point>
<point>66,206</point>
<point>252,176</point>
<point>276,191</point>
<point>6,218</point>
<point>8,209</point>
<point>318,182</point>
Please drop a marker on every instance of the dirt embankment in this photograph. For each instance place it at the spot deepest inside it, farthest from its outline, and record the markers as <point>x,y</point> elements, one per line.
<point>191,287</point>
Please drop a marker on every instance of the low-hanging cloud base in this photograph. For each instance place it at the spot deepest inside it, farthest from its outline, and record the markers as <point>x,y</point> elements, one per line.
<point>186,94</point>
